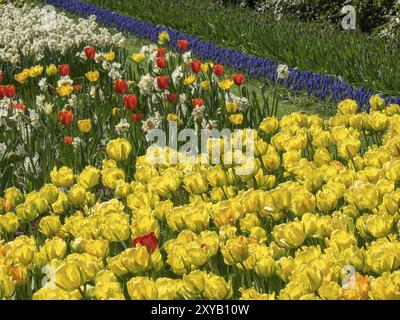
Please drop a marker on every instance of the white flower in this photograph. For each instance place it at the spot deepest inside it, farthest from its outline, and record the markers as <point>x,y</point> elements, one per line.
<point>40,100</point>
<point>187,57</point>
<point>148,50</point>
<point>47,108</point>
<point>43,84</point>
<point>76,142</point>
<point>182,98</point>
<point>282,71</point>
<point>145,84</point>
<point>122,127</point>
<point>64,80</point>
<point>198,112</point>
<point>41,29</point>
<point>177,74</point>
<point>92,91</point>
<point>35,118</point>
<point>242,102</point>
<point>152,122</point>
<point>73,101</point>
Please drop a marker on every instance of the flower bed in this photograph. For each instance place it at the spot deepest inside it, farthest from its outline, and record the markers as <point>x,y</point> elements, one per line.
<point>292,208</point>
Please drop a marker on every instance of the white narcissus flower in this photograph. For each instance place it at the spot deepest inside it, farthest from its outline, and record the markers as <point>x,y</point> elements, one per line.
<point>39,29</point>
<point>152,122</point>
<point>35,118</point>
<point>76,142</point>
<point>242,102</point>
<point>47,108</point>
<point>187,57</point>
<point>282,71</point>
<point>122,127</point>
<point>40,100</point>
<point>64,80</point>
<point>148,50</point>
<point>177,74</point>
<point>43,84</point>
<point>145,84</point>
<point>198,112</point>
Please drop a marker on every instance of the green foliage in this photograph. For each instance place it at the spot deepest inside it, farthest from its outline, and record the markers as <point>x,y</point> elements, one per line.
<point>370,13</point>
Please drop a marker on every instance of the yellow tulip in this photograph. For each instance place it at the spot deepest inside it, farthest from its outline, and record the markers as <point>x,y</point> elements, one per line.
<point>119,149</point>
<point>69,276</point>
<point>236,118</point>
<point>109,56</point>
<point>85,126</point>
<point>93,76</point>
<point>163,37</point>
<point>64,177</point>
<point>138,57</point>
<point>51,70</point>
<point>65,90</point>
<point>225,84</point>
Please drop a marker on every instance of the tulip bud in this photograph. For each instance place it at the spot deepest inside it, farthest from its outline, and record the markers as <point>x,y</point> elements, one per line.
<point>55,248</point>
<point>76,195</point>
<point>269,125</point>
<point>64,177</point>
<point>69,276</point>
<point>142,288</point>
<point>27,211</point>
<point>235,250</point>
<point>118,149</point>
<point>216,288</point>
<point>9,223</point>
<point>85,126</point>
<point>89,177</point>
<point>97,248</point>
<point>50,225</point>
<point>348,106</point>
<point>51,70</point>
<point>193,285</point>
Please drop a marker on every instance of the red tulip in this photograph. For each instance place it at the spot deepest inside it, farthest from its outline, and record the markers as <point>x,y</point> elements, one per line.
<point>238,79</point>
<point>160,52</point>
<point>19,106</point>
<point>66,117</point>
<point>171,97</point>
<point>130,101</point>
<point>195,66</point>
<point>1,76</point>
<point>68,140</point>
<point>148,240</point>
<point>90,52</point>
<point>63,70</point>
<point>77,88</point>
<point>9,90</point>
<point>218,69</point>
<point>137,117</point>
<point>161,62</point>
<point>2,93</point>
<point>120,86</point>
<point>198,102</point>
<point>183,44</point>
<point>163,82</point>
